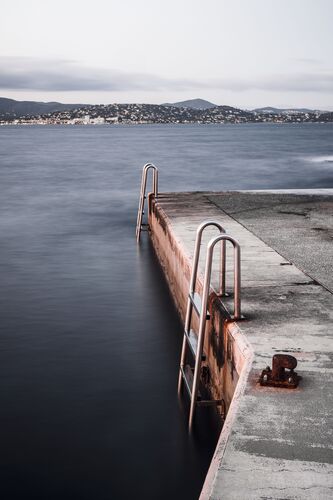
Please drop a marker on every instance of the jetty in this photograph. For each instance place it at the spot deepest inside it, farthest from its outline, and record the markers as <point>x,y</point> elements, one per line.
<point>276,441</point>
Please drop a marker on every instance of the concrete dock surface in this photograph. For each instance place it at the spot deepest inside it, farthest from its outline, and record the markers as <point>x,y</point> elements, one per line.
<point>298,225</point>
<point>276,443</point>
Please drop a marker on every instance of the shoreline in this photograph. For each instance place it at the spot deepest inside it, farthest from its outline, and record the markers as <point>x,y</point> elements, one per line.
<point>168,123</point>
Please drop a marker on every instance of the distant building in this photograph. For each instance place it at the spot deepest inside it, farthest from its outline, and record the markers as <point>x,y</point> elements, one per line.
<point>112,119</point>
<point>99,120</point>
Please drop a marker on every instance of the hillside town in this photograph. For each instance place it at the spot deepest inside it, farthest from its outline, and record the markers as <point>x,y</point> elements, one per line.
<point>113,114</point>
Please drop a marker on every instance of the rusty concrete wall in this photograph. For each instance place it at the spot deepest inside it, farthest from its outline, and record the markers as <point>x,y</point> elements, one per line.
<point>224,353</point>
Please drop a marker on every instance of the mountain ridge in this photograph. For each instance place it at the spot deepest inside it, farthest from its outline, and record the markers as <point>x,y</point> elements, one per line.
<point>22,108</point>
<point>192,103</point>
<point>14,108</point>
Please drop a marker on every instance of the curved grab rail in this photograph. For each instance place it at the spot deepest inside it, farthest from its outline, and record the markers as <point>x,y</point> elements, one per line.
<point>237,271</point>
<point>146,167</point>
<point>198,239</point>
<point>143,196</point>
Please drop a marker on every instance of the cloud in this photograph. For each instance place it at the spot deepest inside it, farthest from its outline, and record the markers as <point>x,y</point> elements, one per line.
<point>21,73</point>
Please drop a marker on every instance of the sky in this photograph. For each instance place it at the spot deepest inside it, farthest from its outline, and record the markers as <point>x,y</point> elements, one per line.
<point>244,53</point>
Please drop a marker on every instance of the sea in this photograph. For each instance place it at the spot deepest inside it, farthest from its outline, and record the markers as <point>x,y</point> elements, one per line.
<point>89,337</point>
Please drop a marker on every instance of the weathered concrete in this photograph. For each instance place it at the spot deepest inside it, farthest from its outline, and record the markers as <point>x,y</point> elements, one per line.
<point>274,218</point>
<point>275,443</point>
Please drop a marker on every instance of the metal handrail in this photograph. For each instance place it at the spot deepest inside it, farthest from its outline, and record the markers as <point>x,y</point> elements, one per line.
<point>196,254</point>
<point>193,280</point>
<point>143,195</point>
<point>205,295</point>
<point>237,270</point>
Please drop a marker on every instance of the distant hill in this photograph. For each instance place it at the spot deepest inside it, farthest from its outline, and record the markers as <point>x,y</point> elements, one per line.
<point>30,112</point>
<point>30,108</point>
<point>193,104</point>
<point>279,111</point>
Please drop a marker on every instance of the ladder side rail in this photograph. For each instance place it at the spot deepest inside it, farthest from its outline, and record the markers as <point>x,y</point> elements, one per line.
<point>154,193</point>
<point>155,181</point>
<point>222,279</point>
<point>141,202</point>
<point>237,280</point>
<point>183,354</point>
<point>201,333</point>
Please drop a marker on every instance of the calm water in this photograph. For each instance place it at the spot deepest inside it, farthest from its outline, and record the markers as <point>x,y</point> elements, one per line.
<point>90,339</point>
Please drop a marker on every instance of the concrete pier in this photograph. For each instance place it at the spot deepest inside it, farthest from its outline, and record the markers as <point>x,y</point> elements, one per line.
<point>276,443</point>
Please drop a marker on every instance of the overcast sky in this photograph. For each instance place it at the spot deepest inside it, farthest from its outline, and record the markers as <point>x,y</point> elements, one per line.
<point>245,53</point>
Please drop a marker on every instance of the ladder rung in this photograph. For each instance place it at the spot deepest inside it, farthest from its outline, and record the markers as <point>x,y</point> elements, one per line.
<point>192,340</point>
<point>188,378</point>
<point>196,301</point>
<point>187,373</point>
<point>209,402</point>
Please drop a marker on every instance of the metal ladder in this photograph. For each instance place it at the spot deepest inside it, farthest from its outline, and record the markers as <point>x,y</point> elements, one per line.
<point>187,374</point>
<point>143,196</point>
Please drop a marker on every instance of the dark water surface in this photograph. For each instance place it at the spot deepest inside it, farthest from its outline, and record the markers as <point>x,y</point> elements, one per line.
<point>90,339</point>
